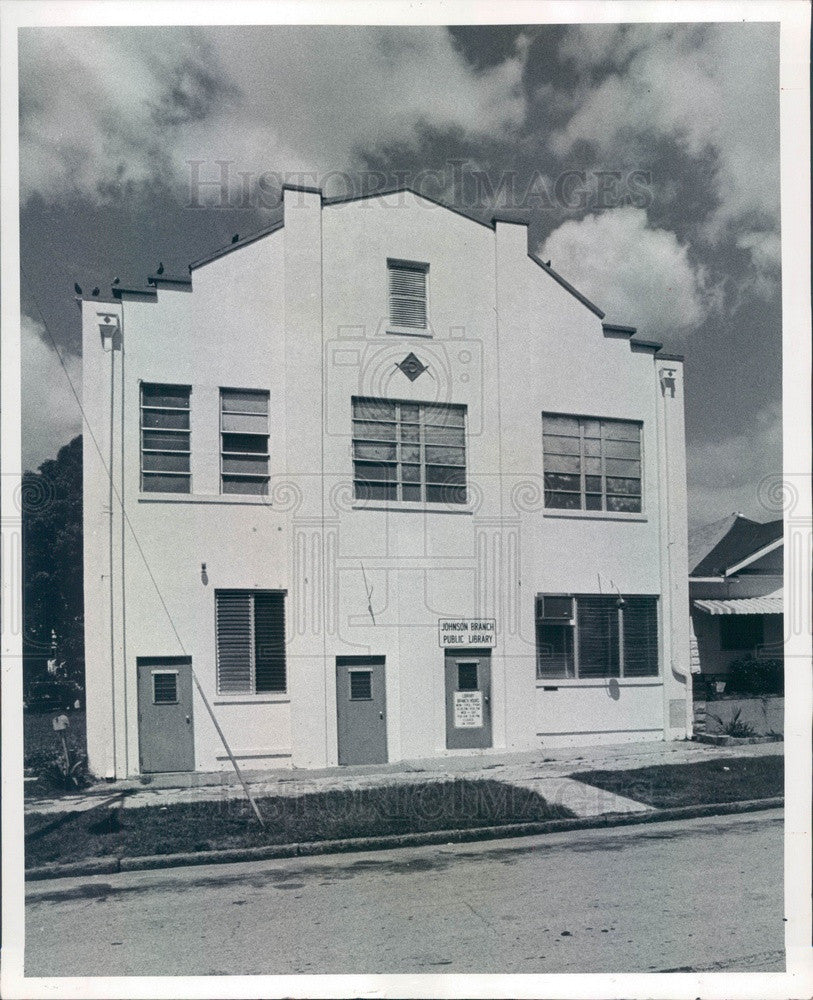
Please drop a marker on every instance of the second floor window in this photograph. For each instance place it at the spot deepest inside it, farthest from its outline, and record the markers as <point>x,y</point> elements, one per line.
<point>165,438</point>
<point>409,451</point>
<point>244,441</point>
<point>591,464</point>
<point>407,290</point>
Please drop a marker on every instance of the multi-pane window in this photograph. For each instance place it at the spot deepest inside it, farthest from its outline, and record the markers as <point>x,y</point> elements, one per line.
<point>596,636</point>
<point>244,441</point>
<point>592,464</point>
<point>407,288</point>
<point>409,451</point>
<point>250,641</point>
<point>165,438</point>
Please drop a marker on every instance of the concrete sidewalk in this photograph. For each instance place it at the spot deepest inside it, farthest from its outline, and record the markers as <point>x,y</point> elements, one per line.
<point>546,772</point>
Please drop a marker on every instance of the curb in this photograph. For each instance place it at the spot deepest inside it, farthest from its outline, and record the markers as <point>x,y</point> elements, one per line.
<point>149,862</point>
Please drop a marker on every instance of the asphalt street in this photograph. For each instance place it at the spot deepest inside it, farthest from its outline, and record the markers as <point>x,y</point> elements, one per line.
<point>693,895</point>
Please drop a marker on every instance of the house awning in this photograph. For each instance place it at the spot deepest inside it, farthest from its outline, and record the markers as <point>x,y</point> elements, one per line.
<point>770,604</point>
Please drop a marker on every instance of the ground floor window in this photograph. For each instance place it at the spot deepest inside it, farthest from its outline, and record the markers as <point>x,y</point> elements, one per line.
<point>250,641</point>
<point>596,636</point>
<point>739,632</point>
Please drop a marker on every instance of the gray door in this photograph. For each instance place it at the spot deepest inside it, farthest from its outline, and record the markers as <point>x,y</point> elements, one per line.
<point>166,736</point>
<point>361,705</point>
<point>468,699</point>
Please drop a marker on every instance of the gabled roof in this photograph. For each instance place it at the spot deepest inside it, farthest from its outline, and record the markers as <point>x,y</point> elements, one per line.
<point>398,189</point>
<point>277,223</point>
<point>726,545</point>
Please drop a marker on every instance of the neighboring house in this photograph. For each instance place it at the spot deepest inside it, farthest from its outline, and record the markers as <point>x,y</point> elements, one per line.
<point>735,588</point>
<point>376,484</point>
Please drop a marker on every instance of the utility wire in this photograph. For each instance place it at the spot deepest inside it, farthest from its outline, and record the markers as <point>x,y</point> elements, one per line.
<point>120,502</point>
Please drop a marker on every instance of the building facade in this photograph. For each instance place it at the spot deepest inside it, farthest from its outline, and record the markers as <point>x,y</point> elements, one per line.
<point>377,484</point>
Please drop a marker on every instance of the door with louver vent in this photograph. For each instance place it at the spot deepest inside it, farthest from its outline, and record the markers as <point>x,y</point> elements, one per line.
<point>166,736</point>
<point>468,699</point>
<point>361,707</point>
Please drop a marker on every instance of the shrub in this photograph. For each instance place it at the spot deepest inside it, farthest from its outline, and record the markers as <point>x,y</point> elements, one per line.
<point>734,727</point>
<point>53,770</point>
<point>753,675</point>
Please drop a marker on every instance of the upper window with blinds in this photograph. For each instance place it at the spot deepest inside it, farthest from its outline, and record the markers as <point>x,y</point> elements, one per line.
<point>165,438</point>
<point>250,641</point>
<point>244,441</point>
<point>407,292</point>
<point>591,464</point>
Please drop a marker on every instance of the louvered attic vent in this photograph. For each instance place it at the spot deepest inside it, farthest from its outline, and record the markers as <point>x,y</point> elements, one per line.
<point>407,289</point>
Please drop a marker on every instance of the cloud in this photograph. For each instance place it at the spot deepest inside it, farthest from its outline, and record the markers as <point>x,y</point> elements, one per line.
<point>711,89</point>
<point>51,415</point>
<point>726,475</point>
<point>639,275</point>
<point>103,109</point>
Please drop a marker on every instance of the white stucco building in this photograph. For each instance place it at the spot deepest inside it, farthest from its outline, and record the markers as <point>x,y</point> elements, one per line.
<point>377,484</point>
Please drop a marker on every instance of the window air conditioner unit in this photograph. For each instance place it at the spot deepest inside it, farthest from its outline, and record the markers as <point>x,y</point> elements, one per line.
<point>556,609</point>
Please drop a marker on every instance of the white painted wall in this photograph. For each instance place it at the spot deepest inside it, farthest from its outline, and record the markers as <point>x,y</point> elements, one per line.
<point>302,313</point>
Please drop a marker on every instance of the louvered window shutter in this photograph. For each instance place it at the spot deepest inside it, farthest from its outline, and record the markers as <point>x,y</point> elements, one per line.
<point>598,636</point>
<point>269,642</point>
<point>408,296</point>
<point>234,642</point>
<point>640,637</point>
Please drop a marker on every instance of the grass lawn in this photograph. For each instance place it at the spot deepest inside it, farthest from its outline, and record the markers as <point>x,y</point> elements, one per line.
<point>726,780</point>
<point>212,825</point>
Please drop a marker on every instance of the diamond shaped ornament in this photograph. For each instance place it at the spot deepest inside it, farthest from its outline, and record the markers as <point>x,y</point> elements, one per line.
<point>411,366</point>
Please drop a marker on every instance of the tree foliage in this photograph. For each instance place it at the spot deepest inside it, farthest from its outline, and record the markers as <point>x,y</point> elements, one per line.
<point>53,595</point>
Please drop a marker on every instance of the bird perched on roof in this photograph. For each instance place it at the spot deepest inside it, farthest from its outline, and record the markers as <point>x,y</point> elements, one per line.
<point>95,291</point>
<point>116,280</point>
<point>77,288</point>
<point>160,269</point>
<point>547,263</point>
<point>235,238</point>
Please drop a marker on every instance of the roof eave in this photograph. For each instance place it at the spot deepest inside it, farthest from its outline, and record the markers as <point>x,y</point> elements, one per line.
<point>764,551</point>
<point>267,231</point>
<point>398,189</point>
<point>566,285</point>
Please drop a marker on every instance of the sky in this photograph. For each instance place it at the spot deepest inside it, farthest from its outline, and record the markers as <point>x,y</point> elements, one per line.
<point>646,155</point>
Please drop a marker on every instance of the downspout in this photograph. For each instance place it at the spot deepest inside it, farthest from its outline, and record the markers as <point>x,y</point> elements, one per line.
<point>675,668</point>
<point>110,554</point>
<point>123,574</point>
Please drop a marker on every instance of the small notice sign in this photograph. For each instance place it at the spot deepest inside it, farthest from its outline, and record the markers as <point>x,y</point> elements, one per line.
<point>467,632</point>
<point>468,709</point>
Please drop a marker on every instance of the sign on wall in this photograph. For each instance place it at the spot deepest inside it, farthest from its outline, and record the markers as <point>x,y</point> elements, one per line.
<point>467,632</point>
<point>468,709</point>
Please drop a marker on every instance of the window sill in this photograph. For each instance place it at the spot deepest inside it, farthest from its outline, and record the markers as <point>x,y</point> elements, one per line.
<point>227,498</point>
<point>414,508</point>
<point>252,699</point>
<point>596,515</point>
<point>408,331</point>
<point>597,682</point>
